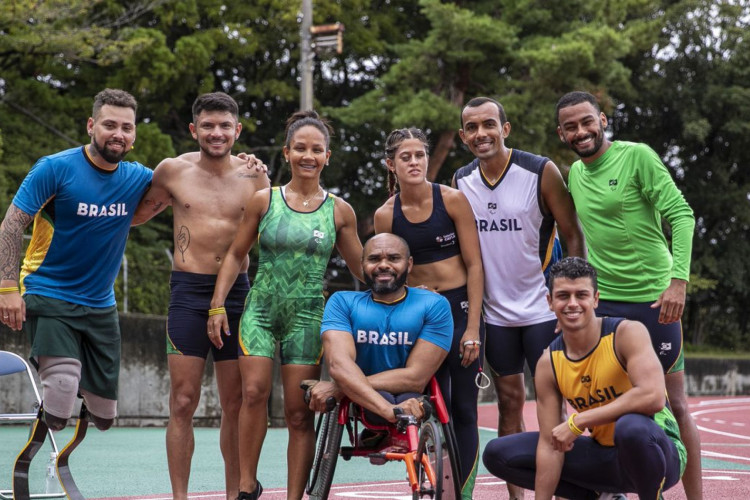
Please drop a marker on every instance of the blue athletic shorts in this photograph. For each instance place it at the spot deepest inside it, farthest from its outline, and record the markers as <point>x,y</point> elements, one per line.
<point>666,339</point>
<point>507,347</point>
<point>189,303</point>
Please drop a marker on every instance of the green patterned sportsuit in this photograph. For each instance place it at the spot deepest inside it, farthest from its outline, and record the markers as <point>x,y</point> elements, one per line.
<point>286,301</point>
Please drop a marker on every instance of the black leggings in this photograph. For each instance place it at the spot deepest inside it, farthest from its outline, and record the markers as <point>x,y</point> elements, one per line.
<point>459,388</point>
<point>642,458</point>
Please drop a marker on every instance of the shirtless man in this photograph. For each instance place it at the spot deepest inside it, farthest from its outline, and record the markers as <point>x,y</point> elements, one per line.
<point>208,193</point>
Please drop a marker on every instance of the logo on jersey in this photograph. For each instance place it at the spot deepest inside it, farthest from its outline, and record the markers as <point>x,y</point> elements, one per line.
<point>376,338</point>
<point>485,226</point>
<point>665,348</point>
<point>318,235</point>
<point>586,381</point>
<point>492,207</point>
<point>612,184</point>
<point>93,210</point>
<point>595,398</point>
<point>446,240</point>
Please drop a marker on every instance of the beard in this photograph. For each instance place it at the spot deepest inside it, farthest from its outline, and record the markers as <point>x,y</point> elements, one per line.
<point>384,288</point>
<point>106,153</point>
<point>206,149</point>
<point>593,149</point>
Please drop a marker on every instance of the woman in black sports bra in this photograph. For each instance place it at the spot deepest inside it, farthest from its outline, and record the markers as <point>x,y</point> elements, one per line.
<point>438,224</point>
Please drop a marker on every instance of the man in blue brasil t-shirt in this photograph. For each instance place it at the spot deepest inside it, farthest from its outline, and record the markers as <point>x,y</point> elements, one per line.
<point>387,341</point>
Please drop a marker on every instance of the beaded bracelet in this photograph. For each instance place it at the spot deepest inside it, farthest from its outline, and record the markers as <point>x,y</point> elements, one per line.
<point>572,425</point>
<point>218,310</point>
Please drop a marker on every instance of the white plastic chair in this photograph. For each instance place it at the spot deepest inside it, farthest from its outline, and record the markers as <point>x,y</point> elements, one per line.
<point>11,363</point>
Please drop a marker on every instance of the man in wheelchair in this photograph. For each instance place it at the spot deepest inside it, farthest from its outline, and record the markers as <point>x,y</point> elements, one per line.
<point>383,345</point>
<point>383,348</point>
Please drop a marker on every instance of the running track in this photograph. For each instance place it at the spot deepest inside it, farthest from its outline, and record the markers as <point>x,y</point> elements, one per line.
<point>724,425</point>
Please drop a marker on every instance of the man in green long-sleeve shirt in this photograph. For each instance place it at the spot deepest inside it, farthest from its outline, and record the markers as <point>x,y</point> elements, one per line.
<point>621,191</point>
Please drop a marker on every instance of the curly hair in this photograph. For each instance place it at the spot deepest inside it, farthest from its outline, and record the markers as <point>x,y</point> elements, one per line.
<point>571,268</point>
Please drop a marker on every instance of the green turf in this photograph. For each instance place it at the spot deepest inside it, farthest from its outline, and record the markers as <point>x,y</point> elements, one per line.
<point>712,463</point>
<point>133,462</point>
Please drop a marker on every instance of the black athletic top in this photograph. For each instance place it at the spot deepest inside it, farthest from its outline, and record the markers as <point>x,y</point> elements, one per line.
<point>431,240</point>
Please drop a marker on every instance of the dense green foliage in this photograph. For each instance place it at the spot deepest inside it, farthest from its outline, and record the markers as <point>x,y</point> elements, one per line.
<point>672,73</point>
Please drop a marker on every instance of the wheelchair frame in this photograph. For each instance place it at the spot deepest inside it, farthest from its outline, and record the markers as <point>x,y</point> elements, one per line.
<point>428,451</point>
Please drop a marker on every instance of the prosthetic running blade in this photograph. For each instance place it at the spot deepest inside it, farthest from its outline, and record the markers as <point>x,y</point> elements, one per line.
<point>63,469</point>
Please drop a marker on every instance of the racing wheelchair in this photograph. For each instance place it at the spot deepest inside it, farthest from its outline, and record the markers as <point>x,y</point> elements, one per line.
<point>427,447</point>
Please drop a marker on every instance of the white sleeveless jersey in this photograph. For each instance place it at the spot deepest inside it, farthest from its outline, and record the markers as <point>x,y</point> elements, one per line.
<point>515,236</point>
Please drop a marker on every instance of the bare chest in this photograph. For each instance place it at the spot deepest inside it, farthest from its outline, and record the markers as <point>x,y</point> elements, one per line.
<point>200,197</point>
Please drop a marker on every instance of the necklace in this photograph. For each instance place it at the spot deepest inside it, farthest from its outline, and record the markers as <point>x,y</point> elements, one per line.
<point>306,202</point>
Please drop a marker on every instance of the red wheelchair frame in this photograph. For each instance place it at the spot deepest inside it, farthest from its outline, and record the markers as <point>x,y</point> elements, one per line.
<point>428,449</point>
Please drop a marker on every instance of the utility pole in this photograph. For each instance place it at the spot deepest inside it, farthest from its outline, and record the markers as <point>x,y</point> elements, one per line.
<point>327,37</point>
<point>306,57</point>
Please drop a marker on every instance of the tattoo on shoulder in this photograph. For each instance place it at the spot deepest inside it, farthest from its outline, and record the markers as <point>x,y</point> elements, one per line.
<point>11,237</point>
<point>183,241</point>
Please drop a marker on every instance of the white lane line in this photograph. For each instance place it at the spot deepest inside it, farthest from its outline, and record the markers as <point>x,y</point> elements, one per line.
<point>705,453</point>
<point>721,402</point>
<point>723,410</point>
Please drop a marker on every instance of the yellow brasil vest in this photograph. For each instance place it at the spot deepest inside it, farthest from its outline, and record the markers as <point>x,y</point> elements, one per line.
<point>595,380</point>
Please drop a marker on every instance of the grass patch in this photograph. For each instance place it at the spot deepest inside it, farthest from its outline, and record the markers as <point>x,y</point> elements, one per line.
<point>692,351</point>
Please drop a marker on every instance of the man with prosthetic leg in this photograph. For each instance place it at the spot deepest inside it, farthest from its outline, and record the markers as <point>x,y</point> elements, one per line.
<point>82,202</point>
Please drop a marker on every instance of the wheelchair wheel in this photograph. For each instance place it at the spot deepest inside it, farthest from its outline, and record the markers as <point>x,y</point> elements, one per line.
<point>328,442</point>
<point>432,445</point>
<point>449,436</point>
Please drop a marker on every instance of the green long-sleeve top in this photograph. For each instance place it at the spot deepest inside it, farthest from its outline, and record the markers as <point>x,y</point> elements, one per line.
<point>621,198</point>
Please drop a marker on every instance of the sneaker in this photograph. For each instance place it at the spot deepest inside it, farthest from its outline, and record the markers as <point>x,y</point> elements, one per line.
<point>251,496</point>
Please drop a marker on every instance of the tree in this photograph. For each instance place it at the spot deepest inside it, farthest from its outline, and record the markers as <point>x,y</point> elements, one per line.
<point>524,52</point>
<point>691,102</point>
<point>672,72</point>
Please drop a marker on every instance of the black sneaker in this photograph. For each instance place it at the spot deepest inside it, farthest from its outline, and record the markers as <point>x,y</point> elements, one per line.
<point>254,495</point>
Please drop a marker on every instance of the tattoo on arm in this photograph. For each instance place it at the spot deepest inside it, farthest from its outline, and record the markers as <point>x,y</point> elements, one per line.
<point>245,175</point>
<point>11,236</point>
<point>183,241</point>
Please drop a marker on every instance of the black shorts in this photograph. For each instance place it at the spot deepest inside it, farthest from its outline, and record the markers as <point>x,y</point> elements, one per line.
<point>507,347</point>
<point>665,338</point>
<point>189,303</point>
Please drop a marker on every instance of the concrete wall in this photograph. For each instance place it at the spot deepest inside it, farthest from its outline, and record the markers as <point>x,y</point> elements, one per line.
<point>144,378</point>
<point>704,377</point>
